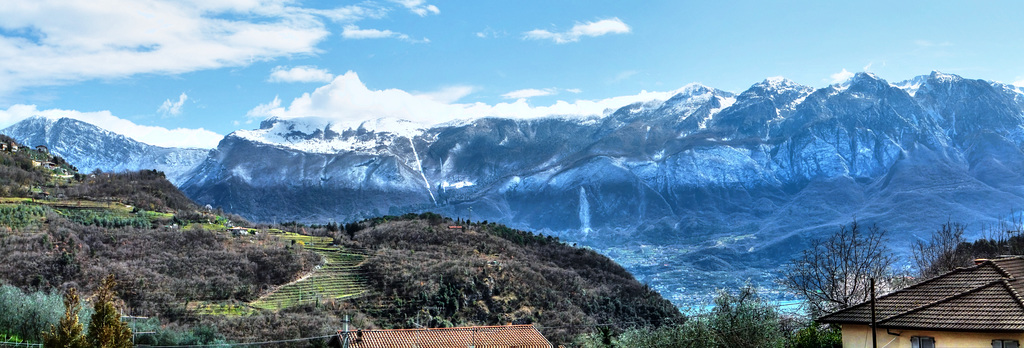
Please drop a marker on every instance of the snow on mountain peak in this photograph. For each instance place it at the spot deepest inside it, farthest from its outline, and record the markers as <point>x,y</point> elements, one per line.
<point>944,78</point>
<point>778,83</point>
<point>691,90</point>
<point>865,77</point>
<point>912,85</point>
<point>321,135</point>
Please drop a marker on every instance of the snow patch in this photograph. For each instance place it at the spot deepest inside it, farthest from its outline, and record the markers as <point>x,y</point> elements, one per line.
<point>317,135</point>
<point>419,168</point>
<point>241,173</point>
<point>911,86</point>
<point>457,185</point>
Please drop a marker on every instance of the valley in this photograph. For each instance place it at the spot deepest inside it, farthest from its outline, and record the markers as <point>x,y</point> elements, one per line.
<point>707,183</point>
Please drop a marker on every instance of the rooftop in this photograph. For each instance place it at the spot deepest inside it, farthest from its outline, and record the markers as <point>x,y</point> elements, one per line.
<point>984,297</point>
<point>520,336</point>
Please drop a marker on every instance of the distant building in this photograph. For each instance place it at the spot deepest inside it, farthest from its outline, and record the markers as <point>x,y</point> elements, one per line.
<point>239,231</point>
<point>3,147</point>
<point>979,306</point>
<point>518,336</point>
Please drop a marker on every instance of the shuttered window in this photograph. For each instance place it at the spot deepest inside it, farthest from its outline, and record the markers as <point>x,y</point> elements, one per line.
<point>929,342</point>
<point>1005,344</point>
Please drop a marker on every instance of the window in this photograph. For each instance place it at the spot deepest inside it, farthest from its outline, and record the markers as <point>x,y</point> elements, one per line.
<point>1005,344</point>
<point>929,342</point>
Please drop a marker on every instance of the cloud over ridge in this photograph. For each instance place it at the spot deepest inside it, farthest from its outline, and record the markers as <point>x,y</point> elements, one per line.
<point>159,136</point>
<point>347,101</point>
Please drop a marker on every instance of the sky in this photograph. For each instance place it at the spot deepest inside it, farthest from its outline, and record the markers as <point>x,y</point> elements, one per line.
<point>187,72</point>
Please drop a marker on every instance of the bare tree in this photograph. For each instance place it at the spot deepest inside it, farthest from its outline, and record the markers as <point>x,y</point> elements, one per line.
<point>836,272</point>
<point>942,252</point>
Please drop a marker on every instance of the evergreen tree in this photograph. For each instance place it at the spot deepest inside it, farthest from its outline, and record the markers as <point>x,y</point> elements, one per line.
<point>69,332</point>
<point>106,329</point>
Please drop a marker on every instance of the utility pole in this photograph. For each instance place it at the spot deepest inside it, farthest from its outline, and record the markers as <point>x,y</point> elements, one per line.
<point>132,318</point>
<point>874,335</point>
<point>344,332</point>
<point>470,216</point>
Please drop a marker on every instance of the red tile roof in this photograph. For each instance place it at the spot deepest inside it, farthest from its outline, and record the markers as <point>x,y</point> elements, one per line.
<point>518,336</point>
<point>985,297</point>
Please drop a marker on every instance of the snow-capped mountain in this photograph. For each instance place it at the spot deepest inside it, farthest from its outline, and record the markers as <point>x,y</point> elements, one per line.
<point>718,181</point>
<point>88,147</point>
<point>778,161</point>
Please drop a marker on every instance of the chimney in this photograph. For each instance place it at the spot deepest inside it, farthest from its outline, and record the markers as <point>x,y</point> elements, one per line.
<point>980,261</point>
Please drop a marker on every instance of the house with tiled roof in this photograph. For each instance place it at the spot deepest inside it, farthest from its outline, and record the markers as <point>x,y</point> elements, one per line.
<point>509,336</point>
<point>978,306</point>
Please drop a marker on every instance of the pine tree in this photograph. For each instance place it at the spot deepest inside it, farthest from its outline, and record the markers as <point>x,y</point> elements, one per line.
<point>68,333</point>
<point>106,330</point>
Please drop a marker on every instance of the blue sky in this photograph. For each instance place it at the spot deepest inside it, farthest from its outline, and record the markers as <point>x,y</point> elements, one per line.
<point>185,73</point>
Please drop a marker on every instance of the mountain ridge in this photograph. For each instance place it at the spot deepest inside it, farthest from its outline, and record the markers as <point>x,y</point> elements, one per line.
<point>742,178</point>
<point>90,147</point>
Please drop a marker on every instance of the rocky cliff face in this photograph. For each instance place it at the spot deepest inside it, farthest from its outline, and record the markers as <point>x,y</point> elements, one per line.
<point>88,147</point>
<point>778,161</point>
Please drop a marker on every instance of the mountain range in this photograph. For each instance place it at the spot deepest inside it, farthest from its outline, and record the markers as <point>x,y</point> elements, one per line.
<point>89,147</point>
<point>704,185</point>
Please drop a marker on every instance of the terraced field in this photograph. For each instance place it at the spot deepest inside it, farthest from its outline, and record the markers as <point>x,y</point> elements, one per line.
<point>336,278</point>
<point>230,309</point>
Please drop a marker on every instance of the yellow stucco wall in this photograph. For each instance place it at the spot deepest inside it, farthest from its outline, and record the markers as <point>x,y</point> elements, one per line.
<point>859,336</point>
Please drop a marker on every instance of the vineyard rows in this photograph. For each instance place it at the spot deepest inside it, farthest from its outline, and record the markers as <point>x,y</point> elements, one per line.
<point>336,278</point>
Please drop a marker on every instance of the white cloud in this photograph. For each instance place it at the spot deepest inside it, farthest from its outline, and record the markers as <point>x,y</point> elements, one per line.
<point>303,73</point>
<point>178,137</point>
<point>529,93</point>
<point>173,108</point>
<point>535,92</point>
<point>490,33</point>
<point>48,42</point>
<point>841,76</point>
<point>419,7</point>
<point>353,31</point>
<point>449,94</point>
<point>598,28</point>
<point>347,101</point>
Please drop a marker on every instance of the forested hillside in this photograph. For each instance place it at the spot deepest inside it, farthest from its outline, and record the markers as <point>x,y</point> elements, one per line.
<point>203,276</point>
<point>488,274</point>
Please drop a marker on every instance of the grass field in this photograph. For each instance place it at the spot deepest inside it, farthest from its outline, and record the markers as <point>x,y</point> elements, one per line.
<point>336,278</point>
<point>71,203</point>
<point>218,308</point>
